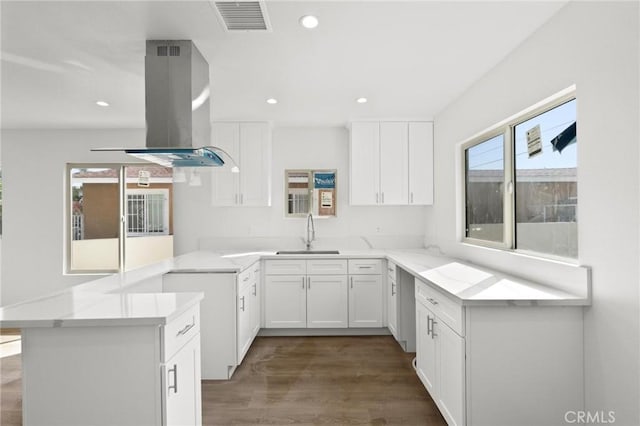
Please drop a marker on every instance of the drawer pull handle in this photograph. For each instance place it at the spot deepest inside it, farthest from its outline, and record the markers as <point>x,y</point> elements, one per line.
<point>174,370</point>
<point>432,301</point>
<point>245,279</point>
<point>365,267</point>
<point>186,328</point>
<point>390,269</point>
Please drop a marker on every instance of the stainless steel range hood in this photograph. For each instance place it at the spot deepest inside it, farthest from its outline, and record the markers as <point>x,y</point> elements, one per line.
<point>177,110</point>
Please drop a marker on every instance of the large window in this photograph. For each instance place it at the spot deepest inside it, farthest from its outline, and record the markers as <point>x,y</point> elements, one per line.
<point>119,217</point>
<point>520,182</point>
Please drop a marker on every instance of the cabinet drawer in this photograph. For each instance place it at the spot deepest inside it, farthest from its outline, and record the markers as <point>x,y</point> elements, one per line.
<point>365,266</point>
<point>391,270</point>
<point>447,310</point>
<point>285,267</point>
<point>180,330</point>
<point>327,267</point>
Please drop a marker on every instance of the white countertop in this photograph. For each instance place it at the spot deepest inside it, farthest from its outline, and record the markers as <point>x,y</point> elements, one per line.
<point>69,309</point>
<point>109,300</point>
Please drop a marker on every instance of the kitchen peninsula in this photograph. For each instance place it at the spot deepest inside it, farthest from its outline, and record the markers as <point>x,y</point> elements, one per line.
<point>485,342</point>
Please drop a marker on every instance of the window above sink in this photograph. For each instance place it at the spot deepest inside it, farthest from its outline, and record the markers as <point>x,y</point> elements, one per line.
<point>310,191</point>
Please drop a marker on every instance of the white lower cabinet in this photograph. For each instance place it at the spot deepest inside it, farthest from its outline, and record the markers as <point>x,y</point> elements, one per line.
<point>300,301</point>
<point>285,302</point>
<point>392,300</point>
<point>440,364</point>
<point>230,315</point>
<point>487,365</point>
<point>248,309</point>
<point>182,388</point>
<point>365,293</point>
<point>144,374</point>
<point>306,293</point>
<point>327,301</point>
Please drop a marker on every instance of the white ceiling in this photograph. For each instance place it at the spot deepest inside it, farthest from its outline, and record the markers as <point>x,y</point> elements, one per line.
<point>411,59</point>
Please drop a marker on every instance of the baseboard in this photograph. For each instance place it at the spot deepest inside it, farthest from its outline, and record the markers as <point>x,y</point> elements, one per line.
<point>383,331</point>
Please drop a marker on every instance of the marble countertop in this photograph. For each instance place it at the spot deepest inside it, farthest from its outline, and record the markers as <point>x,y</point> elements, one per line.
<point>109,300</point>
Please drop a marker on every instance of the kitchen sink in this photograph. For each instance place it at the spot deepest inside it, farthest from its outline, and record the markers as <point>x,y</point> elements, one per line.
<point>308,252</point>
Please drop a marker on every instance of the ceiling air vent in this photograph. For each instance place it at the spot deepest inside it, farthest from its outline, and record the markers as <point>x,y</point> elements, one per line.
<point>243,15</point>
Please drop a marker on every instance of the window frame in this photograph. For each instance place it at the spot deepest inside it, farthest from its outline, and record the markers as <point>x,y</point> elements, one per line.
<point>123,191</point>
<point>507,129</point>
<point>68,219</point>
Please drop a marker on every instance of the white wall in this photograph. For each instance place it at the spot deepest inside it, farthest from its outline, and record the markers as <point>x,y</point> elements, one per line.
<point>594,45</point>
<point>34,163</point>
<point>33,173</point>
<point>293,148</point>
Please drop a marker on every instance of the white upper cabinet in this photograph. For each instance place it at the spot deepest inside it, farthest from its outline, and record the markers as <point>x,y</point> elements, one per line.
<point>225,184</point>
<point>249,144</point>
<point>391,163</point>
<point>365,163</point>
<point>394,163</point>
<point>421,163</point>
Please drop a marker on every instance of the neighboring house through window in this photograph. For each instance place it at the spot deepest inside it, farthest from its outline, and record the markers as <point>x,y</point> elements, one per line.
<point>520,181</point>
<point>98,240</point>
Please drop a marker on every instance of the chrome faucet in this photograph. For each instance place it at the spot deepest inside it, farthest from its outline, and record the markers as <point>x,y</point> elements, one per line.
<point>311,231</point>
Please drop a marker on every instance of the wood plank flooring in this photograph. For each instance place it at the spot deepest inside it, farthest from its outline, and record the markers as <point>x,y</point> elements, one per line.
<point>321,380</point>
<point>297,381</point>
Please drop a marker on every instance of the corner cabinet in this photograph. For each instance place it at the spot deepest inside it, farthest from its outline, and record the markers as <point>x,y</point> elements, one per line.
<point>391,163</point>
<point>230,315</point>
<point>249,144</point>
<point>485,364</point>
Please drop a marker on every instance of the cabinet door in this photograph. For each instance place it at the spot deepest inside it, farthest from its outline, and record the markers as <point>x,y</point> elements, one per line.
<point>392,308</point>
<point>365,301</point>
<point>451,373</point>
<point>245,321</point>
<point>421,163</point>
<point>224,184</point>
<point>182,387</point>
<point>365,164</point>
<point>327,305</point>
<point>425,349</point>
<point>394,163</point>
<point>285,301</point>
<point>255,164</point>
<point>255,304</point>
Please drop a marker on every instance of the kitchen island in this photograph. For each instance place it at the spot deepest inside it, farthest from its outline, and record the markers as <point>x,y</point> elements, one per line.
<point>116,344</point>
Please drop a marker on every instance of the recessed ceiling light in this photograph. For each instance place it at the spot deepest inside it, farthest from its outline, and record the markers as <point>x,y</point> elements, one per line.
<point>309,21</point>
<point>362,100</point>
<point>272,101</point>
<point>102,103</point>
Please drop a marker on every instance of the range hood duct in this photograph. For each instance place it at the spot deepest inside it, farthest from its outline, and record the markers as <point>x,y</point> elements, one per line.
<point>177,108</point>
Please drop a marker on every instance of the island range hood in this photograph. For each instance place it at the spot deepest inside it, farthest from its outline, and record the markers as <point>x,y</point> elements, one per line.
<point>177,109</point>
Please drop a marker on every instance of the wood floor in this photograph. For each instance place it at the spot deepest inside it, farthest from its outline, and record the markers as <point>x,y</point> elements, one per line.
<point>298,381</point>
<point>321,380</point>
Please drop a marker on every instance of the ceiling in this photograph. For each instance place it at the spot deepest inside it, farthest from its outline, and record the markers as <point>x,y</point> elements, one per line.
<point>410,59</point>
